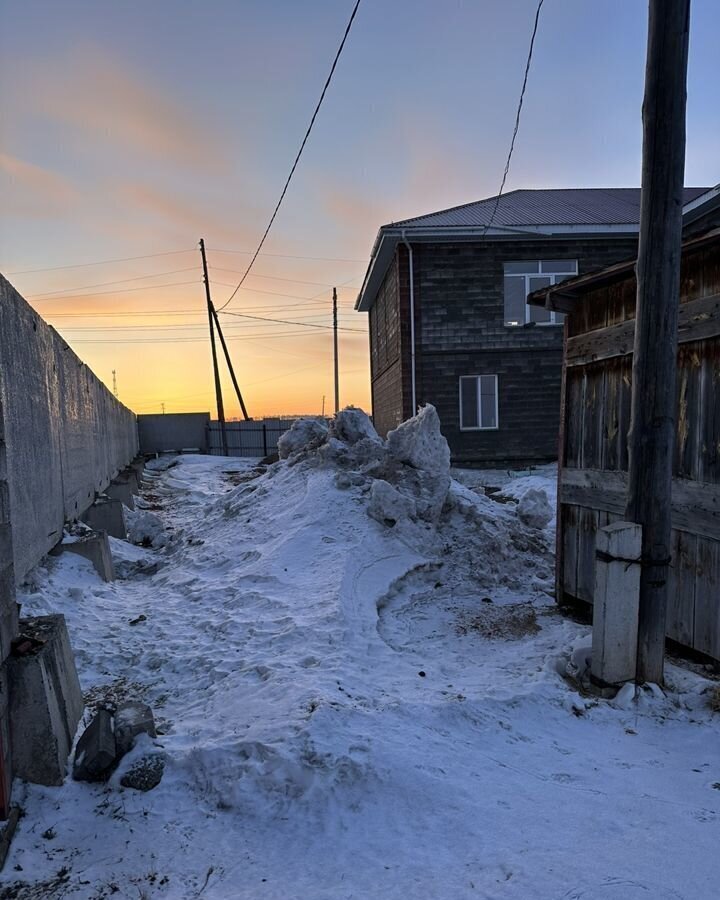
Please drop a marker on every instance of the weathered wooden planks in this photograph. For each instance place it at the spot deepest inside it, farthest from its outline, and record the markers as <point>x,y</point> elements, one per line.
<point>698,320</point>
<point>696,504</point>
<point>593,452</point>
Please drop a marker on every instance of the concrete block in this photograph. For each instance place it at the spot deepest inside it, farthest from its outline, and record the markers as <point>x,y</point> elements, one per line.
<point>96,751</point>
<point>133,479</point>
<point>46,702</point>
<point>131,719</point>
<point>6,773</point>
<point>138,466</point>
<point>106,514</point>
<point>120,488</point>
<point>96,548</point>
<point>615,605</point>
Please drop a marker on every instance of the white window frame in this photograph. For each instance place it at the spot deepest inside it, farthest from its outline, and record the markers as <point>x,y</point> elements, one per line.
<point>494,427</point>
<point>553,276</point>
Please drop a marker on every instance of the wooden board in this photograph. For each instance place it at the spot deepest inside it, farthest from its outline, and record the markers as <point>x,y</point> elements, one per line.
<point>698,320</point>
<point>696,505</point>
<point>706,626</point>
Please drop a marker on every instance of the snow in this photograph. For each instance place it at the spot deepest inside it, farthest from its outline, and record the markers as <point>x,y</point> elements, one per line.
<point>351,425</point>
<point>302,433</point>
<point>354,710</point>
<point>534,508</point>
<point>145,528</point>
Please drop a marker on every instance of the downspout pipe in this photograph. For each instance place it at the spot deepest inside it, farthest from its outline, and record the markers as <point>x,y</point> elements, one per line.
<point>412,321</point>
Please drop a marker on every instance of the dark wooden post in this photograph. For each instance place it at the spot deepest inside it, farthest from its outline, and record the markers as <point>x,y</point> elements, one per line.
<point>652,431</point>
<point>265,439</point>
<point>335,352</point>
<point>216,371</point>
<point>228,360</point>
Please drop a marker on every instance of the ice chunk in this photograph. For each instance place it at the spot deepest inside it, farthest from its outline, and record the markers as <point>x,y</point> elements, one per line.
<point>145,528</point>
<point>352,425</point>
<point>420,443</point>
<point>534,508</point>
<point>304,434</point>
<point>387,505</point>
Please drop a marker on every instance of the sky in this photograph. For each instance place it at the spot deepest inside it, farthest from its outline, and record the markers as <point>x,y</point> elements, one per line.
<point>134,129</point>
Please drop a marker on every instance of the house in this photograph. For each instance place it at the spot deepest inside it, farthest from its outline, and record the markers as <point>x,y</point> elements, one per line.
<point>595,416</point>
<point>448,319</point>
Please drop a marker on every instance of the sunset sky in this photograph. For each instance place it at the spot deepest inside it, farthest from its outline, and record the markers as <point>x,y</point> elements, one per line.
<point>132,129</point>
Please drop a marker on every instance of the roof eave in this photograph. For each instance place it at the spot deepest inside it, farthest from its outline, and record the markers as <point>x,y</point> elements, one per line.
<point>564,296</point>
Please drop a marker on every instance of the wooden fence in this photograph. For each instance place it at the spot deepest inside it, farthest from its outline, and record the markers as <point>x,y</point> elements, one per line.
<point>597,383</point>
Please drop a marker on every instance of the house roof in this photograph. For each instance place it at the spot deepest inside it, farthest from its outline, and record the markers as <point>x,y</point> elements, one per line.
<point>557,206</point>
<point>523,214</point>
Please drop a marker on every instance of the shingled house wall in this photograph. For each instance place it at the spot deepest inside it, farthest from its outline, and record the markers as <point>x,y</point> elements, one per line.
<point>460,330</point>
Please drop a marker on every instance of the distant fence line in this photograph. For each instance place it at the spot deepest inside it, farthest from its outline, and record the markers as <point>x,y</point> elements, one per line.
<point>196,432</point>
<point>254,438</point>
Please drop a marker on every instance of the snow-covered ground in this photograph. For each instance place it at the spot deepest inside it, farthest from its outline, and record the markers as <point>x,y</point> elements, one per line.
<point>353,708</point>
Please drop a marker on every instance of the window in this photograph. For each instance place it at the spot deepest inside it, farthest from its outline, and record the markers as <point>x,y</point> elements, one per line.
<point>522,278</point>
<point>478,402</point>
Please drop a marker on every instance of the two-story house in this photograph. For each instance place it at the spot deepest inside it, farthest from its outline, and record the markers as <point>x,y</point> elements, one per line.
<point>449,323</point>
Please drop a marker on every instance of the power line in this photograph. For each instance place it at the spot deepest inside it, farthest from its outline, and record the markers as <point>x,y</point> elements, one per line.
<point>185,325</point>
<point>185,340</point>
<point>324,284</point>
<point>83,287</point>
<point>517,118</point>
<point>289,256</point>
<point>100,262</point>
<point>289,322</point>
<point>299,154</point>
<point>315,307</point>
<point>149,287</point>
<point>270,293</point>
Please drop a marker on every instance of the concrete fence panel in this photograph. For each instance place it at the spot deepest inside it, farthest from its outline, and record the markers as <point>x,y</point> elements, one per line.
<point>171,432</point>
<point>66,434</point>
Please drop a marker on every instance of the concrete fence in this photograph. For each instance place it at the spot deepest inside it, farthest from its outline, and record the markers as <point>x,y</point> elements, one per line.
<point>65,434</point>
<point>172,432</point>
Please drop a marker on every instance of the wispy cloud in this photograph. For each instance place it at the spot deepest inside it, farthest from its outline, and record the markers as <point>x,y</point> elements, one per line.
<point>34,191</point>
<point>152,207</point>
<point>105,99</point>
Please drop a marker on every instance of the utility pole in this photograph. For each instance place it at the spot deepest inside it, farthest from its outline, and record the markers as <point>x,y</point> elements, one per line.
<point>114,375</point>
<point>323,407</point>
<point>162,406</point>
<point>230,365</point>
<point>218,388</point>
<point>335,346</point>
<point>652,424</point>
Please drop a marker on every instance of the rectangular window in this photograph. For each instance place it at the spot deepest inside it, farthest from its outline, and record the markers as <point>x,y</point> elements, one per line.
<point>478,402</point>
<point>522,278</point>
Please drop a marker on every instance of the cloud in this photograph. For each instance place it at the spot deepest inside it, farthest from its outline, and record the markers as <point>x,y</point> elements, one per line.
<point>157,209</point>
<point>101,97</point>
<point>34,191</point>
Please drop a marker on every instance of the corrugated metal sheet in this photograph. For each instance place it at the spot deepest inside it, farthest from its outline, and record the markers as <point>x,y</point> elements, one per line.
<point>562,206</point>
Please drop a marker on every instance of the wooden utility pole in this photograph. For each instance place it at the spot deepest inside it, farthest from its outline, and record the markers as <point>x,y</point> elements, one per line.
<point>230,366</point>
<point>335,346</point>
<point>652,430</point>
<point>218,388</point>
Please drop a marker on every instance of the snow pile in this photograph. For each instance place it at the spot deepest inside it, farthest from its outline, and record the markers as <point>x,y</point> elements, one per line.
<point>351,425</point>
<point>145,528</point>
<point>534,508</point>
<point>302,435</point>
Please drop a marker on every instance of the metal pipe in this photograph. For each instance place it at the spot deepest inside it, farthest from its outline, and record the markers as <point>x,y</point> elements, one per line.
<point>412,322</point>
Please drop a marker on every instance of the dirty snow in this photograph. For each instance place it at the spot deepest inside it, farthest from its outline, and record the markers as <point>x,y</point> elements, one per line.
<point>354,708</point>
